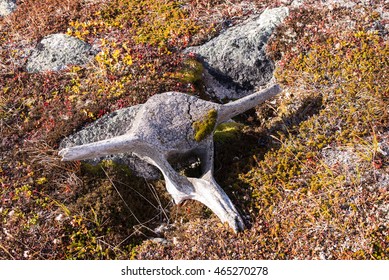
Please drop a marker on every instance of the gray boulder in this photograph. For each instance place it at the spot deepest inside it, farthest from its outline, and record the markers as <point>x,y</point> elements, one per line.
<point>7,7</point>
<point>236,59</point>
<point>56,51</point>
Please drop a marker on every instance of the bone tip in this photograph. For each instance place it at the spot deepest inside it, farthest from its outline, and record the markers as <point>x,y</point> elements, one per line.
<point>241,225</point>
<point>238,225</point>
<point>62,153</point>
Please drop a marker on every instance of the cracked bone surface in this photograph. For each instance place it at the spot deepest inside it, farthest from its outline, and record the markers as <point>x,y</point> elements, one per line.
<point>164,128</point>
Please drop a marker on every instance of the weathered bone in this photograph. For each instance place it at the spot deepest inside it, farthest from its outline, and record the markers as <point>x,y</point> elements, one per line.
<point>164,128</point>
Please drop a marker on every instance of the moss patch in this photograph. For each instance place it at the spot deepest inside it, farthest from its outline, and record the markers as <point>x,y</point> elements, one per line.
<point>204,127</point>
<point>226,132</point>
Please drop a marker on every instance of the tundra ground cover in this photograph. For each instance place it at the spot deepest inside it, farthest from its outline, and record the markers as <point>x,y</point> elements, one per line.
<point>307,172</point>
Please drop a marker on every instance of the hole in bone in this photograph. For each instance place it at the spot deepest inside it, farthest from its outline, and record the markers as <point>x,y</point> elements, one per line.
<point>187,165</point>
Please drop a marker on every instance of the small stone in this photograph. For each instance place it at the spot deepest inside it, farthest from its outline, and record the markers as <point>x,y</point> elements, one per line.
<point>159,240</point>
<point>161,229</point>
<point>7,7</point>
<point>57,241</point>
<point>59,217</point>
<point>297,3</point>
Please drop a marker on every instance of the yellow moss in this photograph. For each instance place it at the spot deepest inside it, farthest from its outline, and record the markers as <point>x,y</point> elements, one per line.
<point>41,180</point>
<point>227,131</point>
<point>204,127</point>
<point>191,73</point>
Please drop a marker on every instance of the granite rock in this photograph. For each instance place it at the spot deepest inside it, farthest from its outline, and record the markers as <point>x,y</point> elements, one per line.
<point>236,61</point>
<point>55,52</point>
<point>7,7</point>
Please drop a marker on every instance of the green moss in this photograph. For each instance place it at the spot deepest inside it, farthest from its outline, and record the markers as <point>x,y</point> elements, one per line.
<point>203,128</point>
<point>226,132</point>
<point>192,71</point>
<point>98,169</point>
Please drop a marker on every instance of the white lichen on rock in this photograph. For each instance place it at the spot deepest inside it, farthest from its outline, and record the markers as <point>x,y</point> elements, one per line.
<point>55,52</point>
<point>7,7</point>
<point>236,61</point>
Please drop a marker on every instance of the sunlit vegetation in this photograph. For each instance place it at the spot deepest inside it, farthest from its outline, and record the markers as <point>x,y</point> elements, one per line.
<point>307,172</point>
